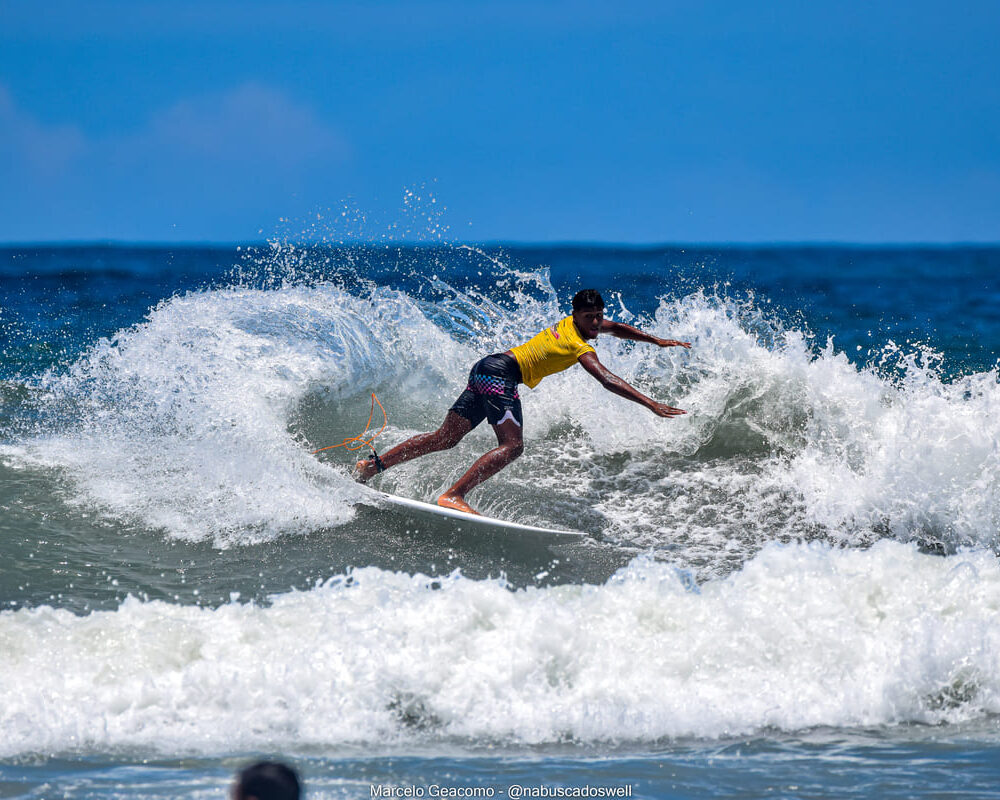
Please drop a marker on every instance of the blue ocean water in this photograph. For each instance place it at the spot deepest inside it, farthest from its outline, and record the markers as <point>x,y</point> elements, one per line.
<point>792,591</point>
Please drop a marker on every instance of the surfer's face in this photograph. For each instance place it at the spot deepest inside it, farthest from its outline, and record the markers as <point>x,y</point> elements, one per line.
<point>588,321</point>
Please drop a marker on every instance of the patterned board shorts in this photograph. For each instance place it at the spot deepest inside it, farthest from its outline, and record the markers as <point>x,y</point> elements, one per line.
<point>492,391</point>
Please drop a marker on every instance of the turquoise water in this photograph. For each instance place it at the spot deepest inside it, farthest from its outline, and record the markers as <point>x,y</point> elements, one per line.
<point>793,591</point>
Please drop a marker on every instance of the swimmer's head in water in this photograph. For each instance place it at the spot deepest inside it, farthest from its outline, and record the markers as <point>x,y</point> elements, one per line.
<point>267,780</point>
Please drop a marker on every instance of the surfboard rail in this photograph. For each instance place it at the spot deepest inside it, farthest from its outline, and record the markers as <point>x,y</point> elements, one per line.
<point>473,520</point>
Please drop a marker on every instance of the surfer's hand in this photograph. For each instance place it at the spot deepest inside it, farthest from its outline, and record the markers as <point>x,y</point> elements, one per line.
<point>672,343</point>
<point>663,410</point>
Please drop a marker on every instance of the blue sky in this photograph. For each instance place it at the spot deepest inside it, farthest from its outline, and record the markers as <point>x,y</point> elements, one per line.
<point>518,121</point>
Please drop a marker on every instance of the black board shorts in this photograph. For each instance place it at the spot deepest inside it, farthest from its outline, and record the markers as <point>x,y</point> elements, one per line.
<point>492,391</point>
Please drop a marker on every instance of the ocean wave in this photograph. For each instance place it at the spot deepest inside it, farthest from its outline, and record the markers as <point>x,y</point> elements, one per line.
<point>199,421</point>
<point>801,636</point>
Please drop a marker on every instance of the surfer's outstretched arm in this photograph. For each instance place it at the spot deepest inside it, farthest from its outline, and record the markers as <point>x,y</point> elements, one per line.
<point>614,384</point>
<point>622,331</point>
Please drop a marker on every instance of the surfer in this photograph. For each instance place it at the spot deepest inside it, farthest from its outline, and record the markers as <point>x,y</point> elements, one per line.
<point>492,394</point>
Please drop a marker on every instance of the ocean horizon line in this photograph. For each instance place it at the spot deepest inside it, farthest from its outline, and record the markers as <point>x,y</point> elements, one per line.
<point>151,244</point>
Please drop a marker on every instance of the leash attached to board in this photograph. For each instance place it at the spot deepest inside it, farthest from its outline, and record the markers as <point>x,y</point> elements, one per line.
<point>359,441</point>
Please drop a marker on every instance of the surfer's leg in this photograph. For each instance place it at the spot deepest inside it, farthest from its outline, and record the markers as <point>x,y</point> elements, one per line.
<point>511,445</point>
<point>454,427</point>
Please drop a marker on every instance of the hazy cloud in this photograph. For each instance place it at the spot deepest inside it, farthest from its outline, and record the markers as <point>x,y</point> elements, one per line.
<point>249,153</point>
<point>251,123</point>
<point>29,146</point>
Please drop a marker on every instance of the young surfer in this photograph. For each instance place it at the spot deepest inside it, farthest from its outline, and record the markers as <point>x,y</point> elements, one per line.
<point>492,394</point>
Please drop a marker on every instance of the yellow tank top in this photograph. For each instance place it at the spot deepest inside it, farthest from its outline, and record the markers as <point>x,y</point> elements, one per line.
<point>550,351</point>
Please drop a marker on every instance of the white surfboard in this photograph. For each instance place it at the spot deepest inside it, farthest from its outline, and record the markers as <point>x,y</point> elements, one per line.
<point>476,521</point>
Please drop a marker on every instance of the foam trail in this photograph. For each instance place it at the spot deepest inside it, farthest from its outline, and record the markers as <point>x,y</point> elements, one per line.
<point>802,636</point>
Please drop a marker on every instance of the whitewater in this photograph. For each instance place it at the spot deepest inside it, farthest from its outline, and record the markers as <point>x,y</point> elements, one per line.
<point>813,547</point>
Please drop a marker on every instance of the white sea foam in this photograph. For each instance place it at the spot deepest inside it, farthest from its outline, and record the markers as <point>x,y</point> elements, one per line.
<point>183,420</point>
<point>188,422</point>
<point>802,636</point>
<point>838,446</point>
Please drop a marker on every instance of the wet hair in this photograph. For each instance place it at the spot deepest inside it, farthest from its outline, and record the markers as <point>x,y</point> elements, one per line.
<point>587,298</point>
<point>267,780</point>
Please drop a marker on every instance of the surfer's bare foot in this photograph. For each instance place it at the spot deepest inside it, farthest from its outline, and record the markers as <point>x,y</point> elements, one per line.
<point>364,469</point>
<point>456,502</point>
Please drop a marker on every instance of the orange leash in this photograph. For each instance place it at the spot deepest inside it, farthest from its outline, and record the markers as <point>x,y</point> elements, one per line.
<point>359,441</point>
